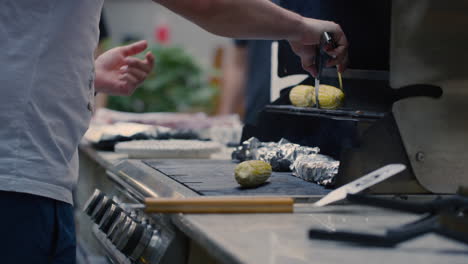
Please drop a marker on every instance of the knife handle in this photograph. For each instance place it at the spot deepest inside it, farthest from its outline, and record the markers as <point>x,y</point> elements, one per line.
<point>220,205</point>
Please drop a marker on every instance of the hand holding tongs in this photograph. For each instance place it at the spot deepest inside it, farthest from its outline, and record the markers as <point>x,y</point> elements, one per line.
<point>321,58</point>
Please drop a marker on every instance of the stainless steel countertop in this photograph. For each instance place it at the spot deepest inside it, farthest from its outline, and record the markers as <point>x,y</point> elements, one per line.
<point>283,238</point>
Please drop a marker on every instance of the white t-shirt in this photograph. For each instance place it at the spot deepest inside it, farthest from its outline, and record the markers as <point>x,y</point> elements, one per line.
<point>47,89</point>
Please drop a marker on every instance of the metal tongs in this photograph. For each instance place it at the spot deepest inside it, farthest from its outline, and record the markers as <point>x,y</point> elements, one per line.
<point>321,59</point>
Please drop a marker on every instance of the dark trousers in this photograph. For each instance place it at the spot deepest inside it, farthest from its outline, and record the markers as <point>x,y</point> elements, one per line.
<point>34,229</point>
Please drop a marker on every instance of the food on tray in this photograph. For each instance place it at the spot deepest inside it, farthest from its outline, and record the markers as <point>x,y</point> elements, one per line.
<point>330,97</point>
<point>301,95</point>
<point>316,168</point>
<point>252,173</point>
<point>280,155</point>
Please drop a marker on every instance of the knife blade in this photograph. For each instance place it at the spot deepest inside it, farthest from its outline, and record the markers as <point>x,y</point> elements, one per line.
<point>361,184</point>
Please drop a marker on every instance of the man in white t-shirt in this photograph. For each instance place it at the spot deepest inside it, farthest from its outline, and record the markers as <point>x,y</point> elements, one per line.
<point>48,80</point>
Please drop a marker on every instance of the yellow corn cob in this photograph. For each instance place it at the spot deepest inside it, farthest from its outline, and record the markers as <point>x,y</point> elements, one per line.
<point>252,173</point>
<point>330,97</point>
<point>301,95</point>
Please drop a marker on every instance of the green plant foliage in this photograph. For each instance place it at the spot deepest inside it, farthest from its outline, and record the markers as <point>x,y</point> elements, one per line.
<point>176,84</point>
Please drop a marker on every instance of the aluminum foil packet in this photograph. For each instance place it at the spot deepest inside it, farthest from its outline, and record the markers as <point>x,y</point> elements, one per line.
<point>246,150</point>
<point>305,162</point>
<point>280,155</point>
<point>316,168</point>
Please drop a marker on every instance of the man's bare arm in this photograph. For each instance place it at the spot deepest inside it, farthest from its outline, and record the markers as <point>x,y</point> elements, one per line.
<point>263,20</point>
<point>239,18</point>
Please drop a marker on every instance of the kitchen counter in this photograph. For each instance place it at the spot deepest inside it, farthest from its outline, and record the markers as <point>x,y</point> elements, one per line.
<point>264,238</point>
<point>276,239</point>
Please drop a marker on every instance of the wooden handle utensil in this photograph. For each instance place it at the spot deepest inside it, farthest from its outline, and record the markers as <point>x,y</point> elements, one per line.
<point>220,205</point>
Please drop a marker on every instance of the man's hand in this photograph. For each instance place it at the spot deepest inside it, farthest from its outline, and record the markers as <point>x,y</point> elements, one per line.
<point>305,43</point>
<point>265,20</point>
<point>118,73</point>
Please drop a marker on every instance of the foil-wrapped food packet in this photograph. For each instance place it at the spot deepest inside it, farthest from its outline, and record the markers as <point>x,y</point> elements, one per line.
<point>246,150</point>
<point>316,168</point>
<point>284,156</point>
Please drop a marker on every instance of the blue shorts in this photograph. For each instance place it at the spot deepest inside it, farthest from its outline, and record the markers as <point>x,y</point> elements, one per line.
<point>35,229</point>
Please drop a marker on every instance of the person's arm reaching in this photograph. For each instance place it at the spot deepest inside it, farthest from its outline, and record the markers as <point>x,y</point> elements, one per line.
<point>263,20</point>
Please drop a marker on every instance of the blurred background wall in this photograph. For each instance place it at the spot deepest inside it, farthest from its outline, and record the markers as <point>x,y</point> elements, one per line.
<point>138,18</point>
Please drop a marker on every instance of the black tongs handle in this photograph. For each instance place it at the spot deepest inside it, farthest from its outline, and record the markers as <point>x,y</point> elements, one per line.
<point>404,206</point>
<point>451,204</point>
<point>322,56</point>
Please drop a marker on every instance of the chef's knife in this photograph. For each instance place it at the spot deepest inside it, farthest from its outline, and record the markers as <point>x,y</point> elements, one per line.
<point>361,184</point>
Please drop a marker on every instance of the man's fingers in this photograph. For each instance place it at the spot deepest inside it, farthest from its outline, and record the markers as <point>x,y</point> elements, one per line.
<point>308,64</point>
<point>311,69</point>
<point>338,35</point>
<point>143,65</point>
<point>138,74</point>
<point>341,40</point>
<point>308,59</point>
<point>135,48</point>
<point>134,72</point>
<point>150,58</point>
<point>128,84</point>
<point>125,88</point>
<point>129,78</point>
<point>339,54</point>
<point>307,54</point>
<point>343,65</point>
